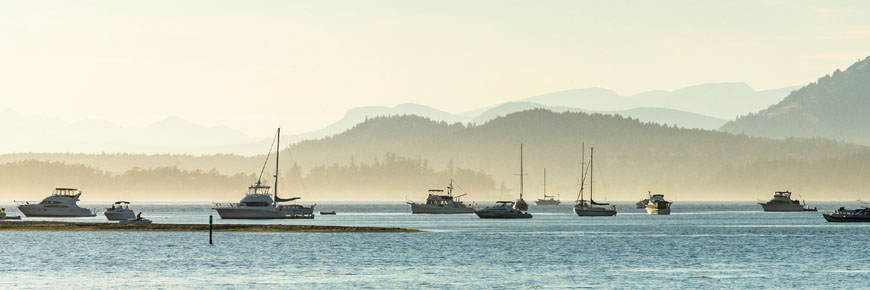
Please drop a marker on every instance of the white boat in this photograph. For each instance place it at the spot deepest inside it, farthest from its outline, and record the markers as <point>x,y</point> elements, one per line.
<point>583,207</point>
<point>119,211</point>
<point>3,215</point>
<point>259,203</point>
<point>657,205</point>
<point>521,204</point>
<point>548,199</point>
<point>502,210</point>
<point>61,203</point>
<point>137,220</point>
<point>439,203</point>
<point>782,201</point>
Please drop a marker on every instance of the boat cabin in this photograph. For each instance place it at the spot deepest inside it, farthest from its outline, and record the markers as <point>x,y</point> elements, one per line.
<point>782,194</point>
<point>66,192</point>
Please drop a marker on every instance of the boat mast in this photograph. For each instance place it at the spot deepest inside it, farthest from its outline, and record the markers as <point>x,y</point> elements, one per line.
<point>591,156</point>
<point>545,183</point>
<point>582,171</point>
<point>521,171</point>
<point>277,151</point>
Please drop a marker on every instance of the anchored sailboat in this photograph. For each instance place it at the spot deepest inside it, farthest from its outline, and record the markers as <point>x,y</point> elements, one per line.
<point>548,199</point>
<point>583,207</point>
<point>258,204</point>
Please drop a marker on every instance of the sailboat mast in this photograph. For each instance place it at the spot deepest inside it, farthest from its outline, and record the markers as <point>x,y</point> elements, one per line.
<point>582,170</point>
<point>277,151</point>
<point>545,182</point>
<point>591,156</point>
<point>521,171</point>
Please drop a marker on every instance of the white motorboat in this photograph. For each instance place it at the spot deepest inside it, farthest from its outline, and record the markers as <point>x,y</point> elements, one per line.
<point>782,201</point>
<point>657,205</point>
<point>61,203</point>
<point>3,215</point>
<point>138,220</point>
<point>583,207</point>
<point>502,210</point>
<point>521,204</point>
<point>439,203</point>
<point>258,203</point>
<point>548,199</point>
<point>119,211</point>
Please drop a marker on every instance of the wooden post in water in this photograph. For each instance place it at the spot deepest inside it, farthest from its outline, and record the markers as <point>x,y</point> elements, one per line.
<point>210,218</point>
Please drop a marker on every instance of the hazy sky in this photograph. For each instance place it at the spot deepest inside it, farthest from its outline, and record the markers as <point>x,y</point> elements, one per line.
<point>253,65</point>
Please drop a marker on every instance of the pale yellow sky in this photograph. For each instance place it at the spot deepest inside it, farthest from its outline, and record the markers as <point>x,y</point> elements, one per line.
<point>252,65</point>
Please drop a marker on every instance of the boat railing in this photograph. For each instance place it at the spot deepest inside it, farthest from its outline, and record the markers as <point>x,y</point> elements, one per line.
<point>26,202</point>
<point>226,204</point>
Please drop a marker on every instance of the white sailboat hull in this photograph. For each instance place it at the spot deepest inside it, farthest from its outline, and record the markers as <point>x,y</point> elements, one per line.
<point>594,211</point>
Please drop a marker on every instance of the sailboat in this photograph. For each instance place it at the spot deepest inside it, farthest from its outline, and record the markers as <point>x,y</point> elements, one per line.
<point>548,199</point>
<point>583,207</point>
<point>258,204</point>
<point>521,204</point>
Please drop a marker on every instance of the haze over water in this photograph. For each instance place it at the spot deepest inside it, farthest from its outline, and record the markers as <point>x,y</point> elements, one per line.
<point>701,245</point>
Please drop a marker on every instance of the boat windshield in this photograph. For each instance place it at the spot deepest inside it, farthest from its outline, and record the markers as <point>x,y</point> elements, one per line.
<point>786,194</point>
<point>60,191</point>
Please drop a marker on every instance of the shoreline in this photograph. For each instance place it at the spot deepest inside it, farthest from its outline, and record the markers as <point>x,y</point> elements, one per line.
<point>241,228</point>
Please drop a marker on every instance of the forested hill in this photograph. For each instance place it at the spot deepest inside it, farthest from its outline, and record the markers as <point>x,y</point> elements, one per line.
<point>836,107</point>
<point>631,157</point>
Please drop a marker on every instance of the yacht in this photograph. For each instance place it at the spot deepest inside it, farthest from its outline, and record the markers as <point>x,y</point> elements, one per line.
<point>3,215</point>
<point>642,203</point>
<point>657,205</point>
<point>583,207</point>
<point>61,203</point>
<point>848,215</point>
<point>782,201</point>
<point>502,210</point>
<point>440,203</point>
<point>259,203</point>
<point>119,211</point>
<point>548,199</point>
<point>521,204</point>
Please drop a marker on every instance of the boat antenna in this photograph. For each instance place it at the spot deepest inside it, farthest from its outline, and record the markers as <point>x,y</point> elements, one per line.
<point>277,152</point>
<point>271,145</point>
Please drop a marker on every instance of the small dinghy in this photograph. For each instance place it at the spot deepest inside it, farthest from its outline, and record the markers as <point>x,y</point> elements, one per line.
<point>3,215</point>
<point>327,213</point>
<point>138,220</point>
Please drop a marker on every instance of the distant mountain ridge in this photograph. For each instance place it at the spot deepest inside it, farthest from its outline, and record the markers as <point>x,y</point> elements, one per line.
<point>835,107</point>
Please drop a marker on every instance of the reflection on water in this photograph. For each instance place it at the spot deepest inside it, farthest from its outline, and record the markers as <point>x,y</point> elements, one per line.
<point>700,245</point>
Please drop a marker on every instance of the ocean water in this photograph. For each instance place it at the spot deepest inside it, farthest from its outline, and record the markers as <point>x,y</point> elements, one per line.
<point>701,245</point>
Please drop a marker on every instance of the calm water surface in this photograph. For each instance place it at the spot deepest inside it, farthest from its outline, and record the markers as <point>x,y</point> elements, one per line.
<point>720,245</point>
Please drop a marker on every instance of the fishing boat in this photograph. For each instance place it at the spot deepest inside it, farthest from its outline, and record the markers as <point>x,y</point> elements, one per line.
<point>642,203</point>
<point>782,201</point>
<point>3,215</point>
<point>258,203</point>
<point>582,207</point>
<point>119,211</point>
<point>548,199</point>
<point>657,205</point>
<point>439,203</point>
<point>848,215</point>
<point>521,204</point>
<point>502,210</point>
<point>61,203</point>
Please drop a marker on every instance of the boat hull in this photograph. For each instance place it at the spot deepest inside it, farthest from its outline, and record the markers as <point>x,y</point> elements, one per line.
<point>37,211</point>
<point>838,218</point>
<point>780,207</point>
<point>119,215</point>
<point>658,211</point>
<point>502,215</point>
<point>594,212</point>
<point>250,213</point>
<point>430,209</point>
<point>547,202</point>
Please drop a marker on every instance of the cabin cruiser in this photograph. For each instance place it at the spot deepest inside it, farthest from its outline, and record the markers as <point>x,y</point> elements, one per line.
<point>548,199</point>
<point>782,201</point>
<point>3,215</point>
<point>61,203</point>
<point>502,210</point>
<point>657,205</point>
<point>583,207</point>
<point>521,204</point>
<point>119,211</point>
<point>440,203</point>
<point>138,220</point>
<point>258,203</point>
<point>848,215</point>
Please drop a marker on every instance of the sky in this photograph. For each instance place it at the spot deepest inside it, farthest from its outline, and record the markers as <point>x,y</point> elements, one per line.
<point>254,65</point>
